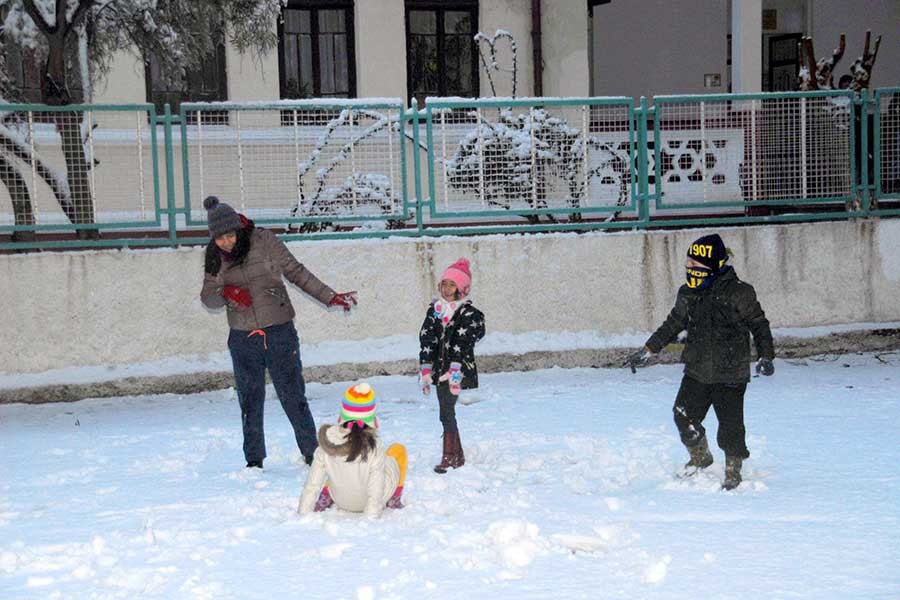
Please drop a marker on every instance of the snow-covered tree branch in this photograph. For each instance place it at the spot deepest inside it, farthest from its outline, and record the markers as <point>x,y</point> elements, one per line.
<point>179,34</point>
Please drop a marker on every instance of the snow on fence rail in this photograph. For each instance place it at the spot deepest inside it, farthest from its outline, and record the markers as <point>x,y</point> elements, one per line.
<point>501,156</point>
<point>311,164</point>
<point>77,166</point>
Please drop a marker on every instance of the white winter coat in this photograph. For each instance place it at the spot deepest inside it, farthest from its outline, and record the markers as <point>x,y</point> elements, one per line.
<point>358,486</point>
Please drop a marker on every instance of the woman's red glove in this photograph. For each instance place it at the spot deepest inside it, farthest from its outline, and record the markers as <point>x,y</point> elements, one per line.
<point>346,300</point>
<point>238,295</point>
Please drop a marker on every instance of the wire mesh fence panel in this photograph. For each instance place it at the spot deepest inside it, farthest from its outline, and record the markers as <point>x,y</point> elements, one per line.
<point>296,164</point>
<point>88,167</point>
<point>888,149</point>
<point>539,156</point>
<point>734,151</point>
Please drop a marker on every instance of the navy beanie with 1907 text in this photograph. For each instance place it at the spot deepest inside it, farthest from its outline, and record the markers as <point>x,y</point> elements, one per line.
<point>710,251</point>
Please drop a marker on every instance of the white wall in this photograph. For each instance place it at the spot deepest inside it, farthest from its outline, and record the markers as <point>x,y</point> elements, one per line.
<point>380,38</point>
<point>380,30</point>
<point>125,83</point>
<point>653,47</point>
<point>251,76</point>
<point>515,17</point>
<point>640,47</point>
<point>746,55</point>
<point>565,47</point>
<point>88,308</point>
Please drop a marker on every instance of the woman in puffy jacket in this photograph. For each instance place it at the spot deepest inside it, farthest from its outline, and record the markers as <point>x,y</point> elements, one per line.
<point>351,468</point>
<point>245,269</point>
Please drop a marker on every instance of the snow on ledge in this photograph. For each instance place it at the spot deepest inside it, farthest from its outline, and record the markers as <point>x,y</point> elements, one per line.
<point>373,350</point>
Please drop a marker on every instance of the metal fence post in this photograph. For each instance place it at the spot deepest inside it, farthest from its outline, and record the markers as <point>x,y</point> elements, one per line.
<point>170,172</point>
<point>643,164</point>
<point>864,162</point>
<point>417,164</point>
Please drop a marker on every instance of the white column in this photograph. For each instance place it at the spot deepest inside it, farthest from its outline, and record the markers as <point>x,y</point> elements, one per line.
<point>380,32</point>
<point>746,46</point>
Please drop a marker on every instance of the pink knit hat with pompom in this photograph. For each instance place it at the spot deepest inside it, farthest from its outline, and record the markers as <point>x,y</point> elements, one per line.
<point>459,274</point>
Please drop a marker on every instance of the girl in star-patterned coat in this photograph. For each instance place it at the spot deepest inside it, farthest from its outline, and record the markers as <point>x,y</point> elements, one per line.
<point>447,353</point>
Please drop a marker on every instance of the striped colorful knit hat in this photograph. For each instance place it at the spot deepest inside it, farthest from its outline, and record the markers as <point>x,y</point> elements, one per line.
<point>359,406</point>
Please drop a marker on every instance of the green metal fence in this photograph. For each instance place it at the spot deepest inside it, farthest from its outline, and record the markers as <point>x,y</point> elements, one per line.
<point>531,157</point>
<point>78,167</point>
<point>122,175</point>
<point>886,155</point>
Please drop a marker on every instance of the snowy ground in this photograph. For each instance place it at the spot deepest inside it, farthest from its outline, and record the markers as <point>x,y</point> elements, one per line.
<point>568,493</point>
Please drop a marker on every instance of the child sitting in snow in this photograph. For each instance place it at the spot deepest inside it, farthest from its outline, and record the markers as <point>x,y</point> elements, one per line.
<point>361,476</point>
<point>447,353</point>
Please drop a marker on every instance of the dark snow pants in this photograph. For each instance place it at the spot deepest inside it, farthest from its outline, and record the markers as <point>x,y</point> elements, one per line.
<point>727,399</point>
<point>277,349</point>
<point>447,404</point>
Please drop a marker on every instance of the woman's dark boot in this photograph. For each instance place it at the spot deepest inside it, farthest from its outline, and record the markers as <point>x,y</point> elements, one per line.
<point>732,472</point>
<point>446,454</point>
<point>459,458</point>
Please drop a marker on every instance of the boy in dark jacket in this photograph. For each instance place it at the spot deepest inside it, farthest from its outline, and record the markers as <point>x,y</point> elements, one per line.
<point>719,312</point>
<point>447,353</point>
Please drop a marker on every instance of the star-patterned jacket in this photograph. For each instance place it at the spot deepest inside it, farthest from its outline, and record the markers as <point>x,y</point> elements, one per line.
<point>441,344</point>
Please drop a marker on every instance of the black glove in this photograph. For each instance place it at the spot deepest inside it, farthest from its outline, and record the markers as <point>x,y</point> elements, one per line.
<point>765,367</point>
<point>638,359</point>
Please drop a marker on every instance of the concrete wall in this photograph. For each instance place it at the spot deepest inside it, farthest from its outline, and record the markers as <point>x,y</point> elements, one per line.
<point>90,308</point>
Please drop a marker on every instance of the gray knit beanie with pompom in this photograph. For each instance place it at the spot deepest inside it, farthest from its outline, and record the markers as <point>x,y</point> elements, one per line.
<point>220,217</point>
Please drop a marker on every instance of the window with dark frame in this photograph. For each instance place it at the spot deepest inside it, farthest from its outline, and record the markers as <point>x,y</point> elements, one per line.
<point>316,54</point>
<point>441,55</point>
<point>207,83</point>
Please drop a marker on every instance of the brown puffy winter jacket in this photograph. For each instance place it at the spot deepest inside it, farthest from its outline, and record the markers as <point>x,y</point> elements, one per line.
<point>261,274</point>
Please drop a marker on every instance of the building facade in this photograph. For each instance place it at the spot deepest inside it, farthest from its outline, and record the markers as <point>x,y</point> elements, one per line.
<point>383,48</point>
<point>421,48</point>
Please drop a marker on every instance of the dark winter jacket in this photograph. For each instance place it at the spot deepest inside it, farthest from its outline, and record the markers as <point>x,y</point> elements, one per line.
<point>441,345</point>
<point>719,321</point>
<point>261,273</point>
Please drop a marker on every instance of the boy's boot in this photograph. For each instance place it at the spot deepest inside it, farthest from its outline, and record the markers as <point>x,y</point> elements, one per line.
<point>459,458</point>
<point>700,458</point>
<point>732,472</point>
<point>446,454</point>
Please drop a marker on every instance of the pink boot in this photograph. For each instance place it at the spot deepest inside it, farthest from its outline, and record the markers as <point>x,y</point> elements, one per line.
<point>324,502</point>
<point>394,501</point>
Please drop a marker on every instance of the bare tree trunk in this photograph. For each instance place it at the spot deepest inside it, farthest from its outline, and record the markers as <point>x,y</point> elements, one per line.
<point>68,124</point>
<point>21,200</point>
<point>54,92</point>
<point>69,127</point>
<point>59,187</point>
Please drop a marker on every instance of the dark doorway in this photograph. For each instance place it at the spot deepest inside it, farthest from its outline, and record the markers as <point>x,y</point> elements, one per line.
<point>784,62</point>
